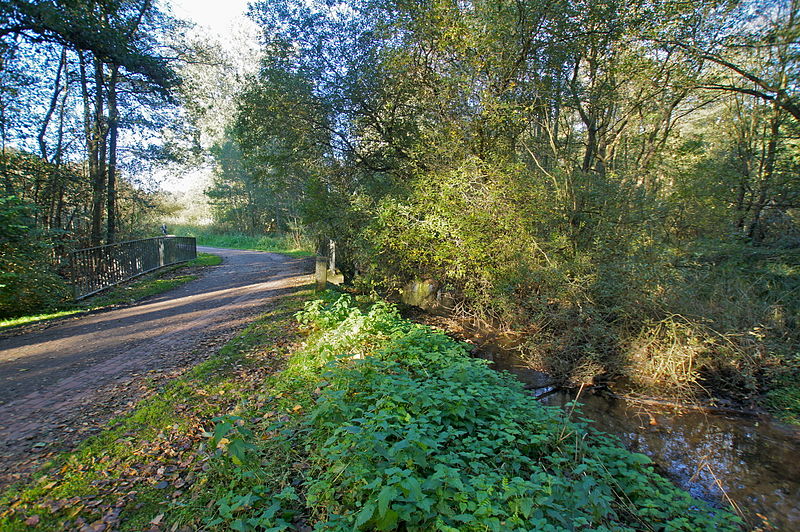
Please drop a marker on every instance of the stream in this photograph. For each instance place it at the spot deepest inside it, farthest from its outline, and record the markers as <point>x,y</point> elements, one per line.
<point>749,461</point>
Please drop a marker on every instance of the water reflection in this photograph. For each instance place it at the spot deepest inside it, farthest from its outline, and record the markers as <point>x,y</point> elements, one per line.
<point>753,463</point>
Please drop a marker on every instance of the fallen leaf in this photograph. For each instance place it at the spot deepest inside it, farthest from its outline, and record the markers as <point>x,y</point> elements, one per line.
<point>98,526</point>
<point>32,520</point>
<point>157,519</point>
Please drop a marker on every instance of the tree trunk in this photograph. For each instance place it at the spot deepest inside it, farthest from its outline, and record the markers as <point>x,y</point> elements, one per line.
<point>60,189</point>
<point>99,156</point>
<point>591,145</point>
<point>112,132</point>
<point>7,183</point>
<point>51,108</point>
<point>88,129</point>
<point>755,232</point>
<point>52,182</point>
<point>113,129</point>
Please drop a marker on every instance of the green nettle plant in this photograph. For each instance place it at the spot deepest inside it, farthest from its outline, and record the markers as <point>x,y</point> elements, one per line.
<point>411,433</point>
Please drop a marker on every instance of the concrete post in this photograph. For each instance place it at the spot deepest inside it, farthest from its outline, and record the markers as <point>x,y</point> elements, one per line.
<point>322,272</point>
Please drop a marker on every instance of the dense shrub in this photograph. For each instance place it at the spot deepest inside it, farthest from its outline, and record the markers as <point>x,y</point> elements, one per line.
<point>603,293</point>
<point>28,282</point>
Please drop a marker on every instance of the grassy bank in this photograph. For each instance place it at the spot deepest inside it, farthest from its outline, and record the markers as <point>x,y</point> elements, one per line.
<point>374,423</point>
<point>143,287</point>
<point>274,242</point>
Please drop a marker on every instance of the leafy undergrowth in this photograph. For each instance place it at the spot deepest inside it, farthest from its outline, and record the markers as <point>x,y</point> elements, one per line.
<point>396,427</point>
<point>274,242</point>
<point>146,286</point>
<point>156,462</point>
<point>411,433</point>
<point>376,423</point>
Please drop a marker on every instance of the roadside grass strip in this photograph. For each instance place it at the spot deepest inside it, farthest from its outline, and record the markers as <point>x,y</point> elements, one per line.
<point>281,243</point>
<point>22,320</point>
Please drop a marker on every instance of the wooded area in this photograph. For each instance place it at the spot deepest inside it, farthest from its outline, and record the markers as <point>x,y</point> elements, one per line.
<point>607,188</point>
<point>615,181</point>
<point>83,88</point>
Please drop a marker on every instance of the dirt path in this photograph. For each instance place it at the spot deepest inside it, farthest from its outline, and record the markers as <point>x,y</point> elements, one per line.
<point>61,383</point>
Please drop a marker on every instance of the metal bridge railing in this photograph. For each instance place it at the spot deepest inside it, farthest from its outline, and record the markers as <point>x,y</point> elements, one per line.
<point>95,269</point>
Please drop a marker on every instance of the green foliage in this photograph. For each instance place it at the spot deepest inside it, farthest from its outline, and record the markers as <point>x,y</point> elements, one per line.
<point>255,506</point>
<point>104,31</point>
<point>27,280</point>
<point>269,153</point>
<point>416,435</point>
<point>555,170</point>
<point>272,518</point>
<point>784,397</point>
<point>286,243</point>
<point>60,137</point>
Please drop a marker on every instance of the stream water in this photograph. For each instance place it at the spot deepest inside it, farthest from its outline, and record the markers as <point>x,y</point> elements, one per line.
<point>753,463</point>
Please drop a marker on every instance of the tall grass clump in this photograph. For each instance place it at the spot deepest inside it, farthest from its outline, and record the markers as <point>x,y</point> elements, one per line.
<point>410,433</point>
<point>725,319</point>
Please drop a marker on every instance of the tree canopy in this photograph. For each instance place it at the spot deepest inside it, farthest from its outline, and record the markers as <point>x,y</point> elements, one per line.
<point>578,168</point>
